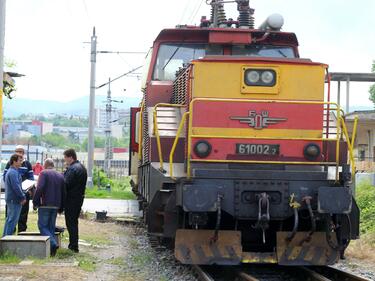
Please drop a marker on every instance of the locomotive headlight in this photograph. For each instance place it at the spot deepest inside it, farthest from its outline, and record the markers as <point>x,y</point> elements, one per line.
<point>260,77</point>
<point>202,148</point>
<point>252,77</point>
<point>267,77</point>
<point>311,151</point>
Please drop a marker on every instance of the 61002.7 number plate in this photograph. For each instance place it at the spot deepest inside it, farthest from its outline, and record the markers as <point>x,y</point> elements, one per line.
<point>257,149</point>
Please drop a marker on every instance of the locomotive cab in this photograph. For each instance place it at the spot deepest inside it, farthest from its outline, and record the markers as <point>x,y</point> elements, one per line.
<point>234,148</point>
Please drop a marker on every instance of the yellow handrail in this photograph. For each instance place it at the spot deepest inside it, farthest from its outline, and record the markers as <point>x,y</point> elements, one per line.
<point>156,130</point>
<point>180,127</point>
<point>350,142</point>
<point>190,134</point>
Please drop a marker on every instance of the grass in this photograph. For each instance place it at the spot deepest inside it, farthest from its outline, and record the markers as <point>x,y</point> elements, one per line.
<point>142,259</point>
<point>86,262</point>
<point>364,247</point>
<point>7,258</point>
<point>120,189</point>
<point>96,240</point>
<point>32,220</point>
<point>117,261</point>
<point>365,197</point>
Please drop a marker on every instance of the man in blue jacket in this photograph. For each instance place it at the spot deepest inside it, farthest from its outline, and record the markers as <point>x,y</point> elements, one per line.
<point>49,196</point>
<point>26,172</point>
<point>14,196</point>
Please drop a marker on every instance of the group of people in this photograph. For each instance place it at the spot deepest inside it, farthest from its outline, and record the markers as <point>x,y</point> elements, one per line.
<point>54,193</point>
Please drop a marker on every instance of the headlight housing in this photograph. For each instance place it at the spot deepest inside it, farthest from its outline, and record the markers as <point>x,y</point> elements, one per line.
<point>260,77</point>
<point>311,151</point>
<point>202,148</point>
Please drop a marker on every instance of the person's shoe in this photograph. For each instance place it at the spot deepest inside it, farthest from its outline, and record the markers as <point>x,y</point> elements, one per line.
<point>75,250</point>
<point>53,251</point>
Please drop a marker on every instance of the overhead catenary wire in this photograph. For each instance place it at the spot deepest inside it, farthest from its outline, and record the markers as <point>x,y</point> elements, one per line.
<point>195,11</point>
<point>122,75</point>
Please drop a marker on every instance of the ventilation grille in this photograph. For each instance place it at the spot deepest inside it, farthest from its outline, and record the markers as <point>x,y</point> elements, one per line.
<point>146,137</point>
<point>181,87</point>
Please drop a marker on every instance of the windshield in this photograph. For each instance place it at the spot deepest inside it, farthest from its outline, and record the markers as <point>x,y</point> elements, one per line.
<point>173,56</point>
<point>263,51</point>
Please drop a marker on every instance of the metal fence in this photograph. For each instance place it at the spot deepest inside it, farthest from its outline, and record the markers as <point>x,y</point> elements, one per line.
<point>118,168</point>
<point>365,164</point>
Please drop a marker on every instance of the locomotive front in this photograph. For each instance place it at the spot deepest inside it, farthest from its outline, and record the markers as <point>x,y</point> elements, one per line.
<point>243,157</point>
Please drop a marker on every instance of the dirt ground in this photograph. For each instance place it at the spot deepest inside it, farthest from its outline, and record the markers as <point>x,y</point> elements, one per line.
<point>118,251</point>
<point>106,251</point>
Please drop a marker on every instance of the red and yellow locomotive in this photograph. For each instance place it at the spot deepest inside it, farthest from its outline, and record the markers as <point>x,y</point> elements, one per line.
<point>237,153</point>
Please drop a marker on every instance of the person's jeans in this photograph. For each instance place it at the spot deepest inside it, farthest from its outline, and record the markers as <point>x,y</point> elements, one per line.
<point>13,214</point>
<point>47,224</point>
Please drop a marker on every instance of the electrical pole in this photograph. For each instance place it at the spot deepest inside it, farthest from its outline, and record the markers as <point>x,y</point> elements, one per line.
<point>91,135</point>
<point>108,145</point>
<point>2,43</point>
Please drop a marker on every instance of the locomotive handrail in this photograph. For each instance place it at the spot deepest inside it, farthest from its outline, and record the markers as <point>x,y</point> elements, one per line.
<point>171,154</point>
<point>350,142</point>
<point>156,130</point>
<point>140,128</point>
<point>336,107</point>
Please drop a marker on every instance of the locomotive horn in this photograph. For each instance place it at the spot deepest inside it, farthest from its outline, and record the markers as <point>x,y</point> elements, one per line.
<point>273,22</point>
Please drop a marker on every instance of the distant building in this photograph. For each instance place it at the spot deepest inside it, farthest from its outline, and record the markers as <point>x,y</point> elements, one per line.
<point>118,117</point>
<point>17,128</point>
<point>364,145</point>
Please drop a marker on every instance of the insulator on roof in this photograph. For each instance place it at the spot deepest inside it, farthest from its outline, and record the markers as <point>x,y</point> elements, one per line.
<point>245,18</point>
<point>218,17</point>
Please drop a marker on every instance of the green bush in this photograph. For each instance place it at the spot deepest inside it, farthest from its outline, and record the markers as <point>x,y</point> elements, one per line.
<point>120,188</point>
<point>365,196</point>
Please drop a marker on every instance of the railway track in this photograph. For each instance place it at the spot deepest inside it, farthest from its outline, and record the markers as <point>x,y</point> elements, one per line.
<point>273,273</point>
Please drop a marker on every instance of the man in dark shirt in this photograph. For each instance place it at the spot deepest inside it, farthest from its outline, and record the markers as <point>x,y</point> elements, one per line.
<point>75,184</point>
<point>49,196</point>
<point>26,172</point>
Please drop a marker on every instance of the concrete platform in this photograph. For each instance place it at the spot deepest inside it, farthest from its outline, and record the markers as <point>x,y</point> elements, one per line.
<point>35,233</point>
<point>26,246</point>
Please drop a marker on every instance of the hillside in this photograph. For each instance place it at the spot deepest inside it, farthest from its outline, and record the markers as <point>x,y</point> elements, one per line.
<point>80,106</point>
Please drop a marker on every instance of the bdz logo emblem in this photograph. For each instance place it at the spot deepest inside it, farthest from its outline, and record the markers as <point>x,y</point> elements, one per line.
<point>258,120</point>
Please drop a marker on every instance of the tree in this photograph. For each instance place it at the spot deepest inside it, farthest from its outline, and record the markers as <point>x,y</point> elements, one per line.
<point>372,88</point>
<point>8,82</point>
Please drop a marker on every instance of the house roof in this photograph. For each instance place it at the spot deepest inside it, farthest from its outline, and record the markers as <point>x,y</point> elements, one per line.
<point>363,115</point>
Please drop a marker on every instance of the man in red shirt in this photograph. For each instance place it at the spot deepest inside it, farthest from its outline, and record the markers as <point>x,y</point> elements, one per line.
<point>37,168</point>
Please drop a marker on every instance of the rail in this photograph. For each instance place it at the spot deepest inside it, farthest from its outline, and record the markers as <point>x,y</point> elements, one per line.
<point>156,130</point>
<point>277,272</point>
<point>171,154</point>
<point>340,129</point>
<point>335,106</point>
<point>140,128</point>
<point>350,142</point>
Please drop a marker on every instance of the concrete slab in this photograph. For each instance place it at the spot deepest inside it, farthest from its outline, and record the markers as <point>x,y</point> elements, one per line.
<point>26,246</point>
<point>26,262</point>
<point>35,233</point>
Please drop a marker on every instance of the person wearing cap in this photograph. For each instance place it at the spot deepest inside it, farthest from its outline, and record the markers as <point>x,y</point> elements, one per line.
<point>37,168</point>
<point>26,173</point>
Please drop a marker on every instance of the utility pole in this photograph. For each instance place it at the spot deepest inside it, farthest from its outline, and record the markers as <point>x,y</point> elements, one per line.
<point>90,144</point>
<point>108,145</point>
<point>2,43</point>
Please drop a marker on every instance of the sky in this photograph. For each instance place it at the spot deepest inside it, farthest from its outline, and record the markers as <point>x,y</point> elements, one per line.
<point>48,39</point>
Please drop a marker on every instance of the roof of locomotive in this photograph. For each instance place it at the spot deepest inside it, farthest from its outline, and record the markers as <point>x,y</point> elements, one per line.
<point>304,61</point>
<point>226,36</point>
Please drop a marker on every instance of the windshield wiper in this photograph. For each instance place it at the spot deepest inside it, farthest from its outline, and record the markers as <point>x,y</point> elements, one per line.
<point>282,53</point>
<point>171,57</point>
